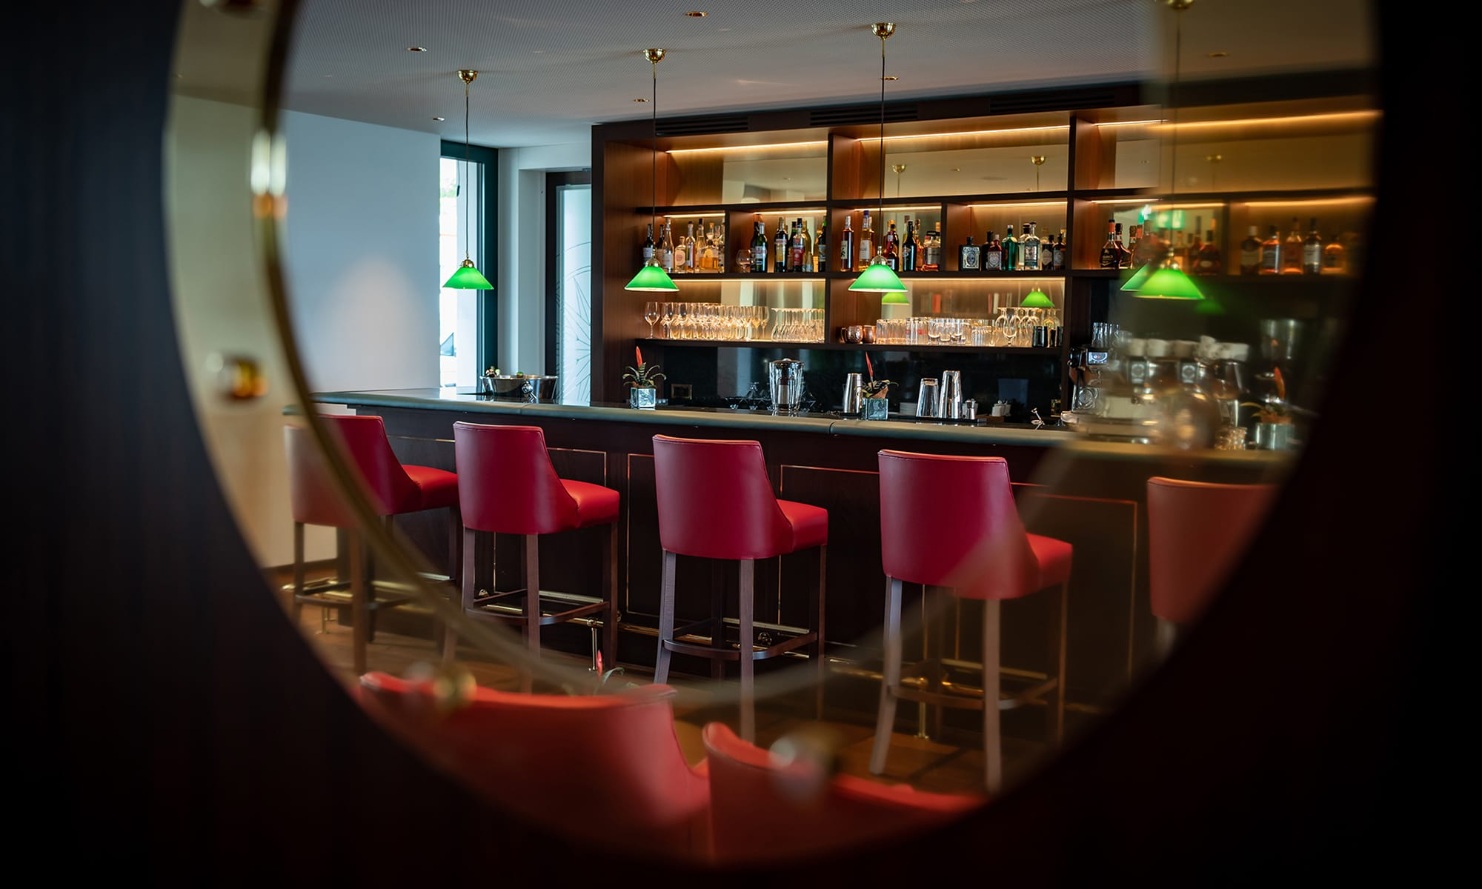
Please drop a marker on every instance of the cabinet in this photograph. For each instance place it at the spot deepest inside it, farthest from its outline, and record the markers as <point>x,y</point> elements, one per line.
<point>1068,161</point>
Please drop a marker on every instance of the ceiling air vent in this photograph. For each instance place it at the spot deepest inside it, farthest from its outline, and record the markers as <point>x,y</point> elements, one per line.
<point>1057,100</point>
<point>697,126</point>
<point>860,114</point>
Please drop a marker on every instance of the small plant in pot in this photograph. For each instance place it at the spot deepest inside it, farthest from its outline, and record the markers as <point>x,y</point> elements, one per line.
<point>642,380</point>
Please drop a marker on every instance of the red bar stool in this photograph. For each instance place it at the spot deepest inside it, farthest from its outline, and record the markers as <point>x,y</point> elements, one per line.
<point>951,522</point>
<point>507,485</point>
<point>715,501</point>
<point>1196,530</point>
<point>394,488</point>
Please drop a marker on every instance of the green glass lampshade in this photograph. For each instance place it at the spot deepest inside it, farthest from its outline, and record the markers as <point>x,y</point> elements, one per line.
<point>652,277</point>
<point>1169,283</point>
<point>891,299</point>
<point>468,277</point>
<point>878,278</point>
<point>1133,283</point>
<point>1036,299</point>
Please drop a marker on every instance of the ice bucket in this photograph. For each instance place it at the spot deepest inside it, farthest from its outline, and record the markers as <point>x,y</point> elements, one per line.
<point>785,378</point>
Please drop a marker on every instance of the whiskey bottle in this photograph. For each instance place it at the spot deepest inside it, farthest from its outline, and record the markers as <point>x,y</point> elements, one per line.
<point>1059,260</point>
<point>1271,253</point>
<point>1109,253</point>
<point>933,261</point>
<point>759,247</point>
<point>1010,250</point>
<point>846,245</point>
<point>795,246</point>
<point>684,251</point>
<point>991,257</point>
<point>909,249</point>
<point>648,244</point>
<point>780,242</point>
<point>1334,257</point>
<point>1312,250</point>
<point>805,262</point>
<point>967,256</point>
<point>890,248</point>
<point>820,249</point>
<point>1029,248</point>
<point>1124,256</point>
<point>1250,253</point>
<point>718,239</point>
<point>1209,261</point>
<point>866,243</point>
<point>1291,250</point>
<point>665,250</point>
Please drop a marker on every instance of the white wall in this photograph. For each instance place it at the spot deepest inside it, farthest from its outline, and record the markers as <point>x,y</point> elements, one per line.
<point>361,274</point>
<point>360,253</point>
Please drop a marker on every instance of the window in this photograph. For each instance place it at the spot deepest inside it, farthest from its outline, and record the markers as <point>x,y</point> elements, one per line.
<point>568,321</point>
<point>468,319</point>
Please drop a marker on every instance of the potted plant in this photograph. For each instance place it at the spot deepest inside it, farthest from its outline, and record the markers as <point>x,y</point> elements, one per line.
<point>642,381</point>
<point>876,402</point>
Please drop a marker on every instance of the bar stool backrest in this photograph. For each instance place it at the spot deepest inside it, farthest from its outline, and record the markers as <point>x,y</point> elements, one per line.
<point>507,483</point>
<point>715,499</point>
<point>1196,530</point>
<point>952,521</point>
<point>315,498</point>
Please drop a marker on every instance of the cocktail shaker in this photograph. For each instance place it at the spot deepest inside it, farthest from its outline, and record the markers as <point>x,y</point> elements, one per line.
<point>949,395</point>
<point>853,394</point>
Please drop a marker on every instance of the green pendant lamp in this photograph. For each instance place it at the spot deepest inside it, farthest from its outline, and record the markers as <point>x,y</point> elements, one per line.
<point>1037,299</point>
<point>467,276</point>
<point>652,276</point>
<point>1161,279</point>
<point>878,276</point>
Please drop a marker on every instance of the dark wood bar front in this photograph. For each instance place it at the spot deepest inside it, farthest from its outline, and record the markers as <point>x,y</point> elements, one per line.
<point>1088,493</point>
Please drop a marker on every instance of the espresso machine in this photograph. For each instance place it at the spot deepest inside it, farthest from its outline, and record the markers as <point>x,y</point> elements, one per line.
<point>1279,345</point>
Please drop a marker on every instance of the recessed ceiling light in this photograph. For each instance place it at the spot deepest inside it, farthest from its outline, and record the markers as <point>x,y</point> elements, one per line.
<point>439,118</point>
<point>696,15</point>
<point>1219,54</point>
<point>641,99</point>
<point>416,49</point>
<point>890,77</point>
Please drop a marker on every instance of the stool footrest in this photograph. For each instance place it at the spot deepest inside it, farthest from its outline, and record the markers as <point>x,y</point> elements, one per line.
<point>733,653</point>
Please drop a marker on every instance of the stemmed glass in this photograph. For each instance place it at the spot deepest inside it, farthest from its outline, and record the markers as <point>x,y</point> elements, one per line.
<point>668,319</point>
<point>651,315</point>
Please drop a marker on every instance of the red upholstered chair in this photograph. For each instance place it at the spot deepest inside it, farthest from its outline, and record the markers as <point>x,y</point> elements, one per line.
<point>715,501</point>
<point>767,809</point>
<point>603,769</point>
<point>1196,532</point>
<point>394,489</point>
<point>508,485</point>
<point>951,522</point>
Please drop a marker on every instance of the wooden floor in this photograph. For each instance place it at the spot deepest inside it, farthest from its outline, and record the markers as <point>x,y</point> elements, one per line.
<point>925,763</point>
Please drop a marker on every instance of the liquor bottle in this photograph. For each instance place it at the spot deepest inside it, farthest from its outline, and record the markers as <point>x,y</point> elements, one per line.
<point>820,249</point>
<point>967,256</point>
<point>1029,248</point>
<point>1191,251</point>
<point>1059,261</point>
<point>890,247</point>
<point>1124,256</point>
<point>805,261</point>
<point>718,239</point>
<point>779,247</point>
<point>933,261</point>
<point>795,246</point>
<point>1291,250</point>
<point>846,244</point>
<point>1250,253</point>
<point>866,243</point>
<point>1210,259</point>
<point>1334,257</point>
<point>1271,253</point>
<point>666,250</point>
<point>759,247</point>
<point>648,244</point>
<point>1109,253</point>
<point>684,251</point>
<point>1312,250</point>
<point>909,249</point>
<point>1010,250</point>
<point>991,257</point>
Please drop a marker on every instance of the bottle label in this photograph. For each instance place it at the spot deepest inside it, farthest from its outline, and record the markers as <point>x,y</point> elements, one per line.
<point>968,258</point>
<point>994,261</point>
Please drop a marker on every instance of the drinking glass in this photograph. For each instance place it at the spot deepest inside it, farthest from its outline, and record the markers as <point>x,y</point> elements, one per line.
<point>667,316</point>
<point>651,314</point>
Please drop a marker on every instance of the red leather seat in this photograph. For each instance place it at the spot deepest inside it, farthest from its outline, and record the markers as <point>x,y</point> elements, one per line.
<point>767,809</point>
<point>508,485</point>
<point>951,522</point>
<point>606,770</point>
<point>393,488</point>
<point>715,501</point>
<point>1196,531</point>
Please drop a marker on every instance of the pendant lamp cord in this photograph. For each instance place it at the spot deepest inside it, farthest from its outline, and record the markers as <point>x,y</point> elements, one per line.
<point>1178,38</point>
<point>882,127</point>
<point>653,176</point>
<point>467,253</point>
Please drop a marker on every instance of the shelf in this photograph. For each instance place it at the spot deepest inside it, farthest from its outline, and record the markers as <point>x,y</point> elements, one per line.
<point>1053,351</point>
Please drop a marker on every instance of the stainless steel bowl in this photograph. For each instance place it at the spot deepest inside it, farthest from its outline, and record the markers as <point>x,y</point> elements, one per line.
<point>519,387</point>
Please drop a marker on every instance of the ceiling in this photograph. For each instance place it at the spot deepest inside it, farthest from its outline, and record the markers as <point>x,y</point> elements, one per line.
<point>549,71</point>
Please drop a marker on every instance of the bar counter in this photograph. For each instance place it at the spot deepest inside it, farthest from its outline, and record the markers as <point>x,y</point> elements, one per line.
<point>1090,493</point>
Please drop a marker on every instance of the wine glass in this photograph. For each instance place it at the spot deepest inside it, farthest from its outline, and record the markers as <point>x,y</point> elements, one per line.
<point>668,319</point>
<point>651,315</point>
